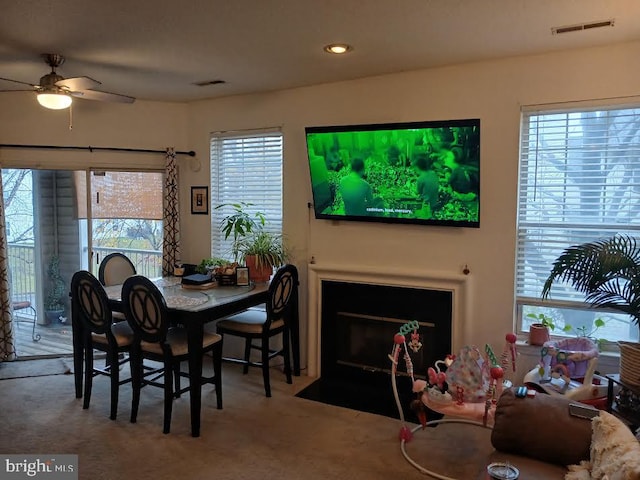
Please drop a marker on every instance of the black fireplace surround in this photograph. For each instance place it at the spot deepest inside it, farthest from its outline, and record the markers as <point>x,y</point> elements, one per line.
<point>357,328</point>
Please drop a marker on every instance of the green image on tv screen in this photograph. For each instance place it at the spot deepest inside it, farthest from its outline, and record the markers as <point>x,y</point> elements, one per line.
<point>420,172</point>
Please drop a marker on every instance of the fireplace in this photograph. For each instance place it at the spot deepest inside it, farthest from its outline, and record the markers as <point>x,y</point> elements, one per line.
<point>353,316</point>
<point>360,320</point>
<point>456,283</point>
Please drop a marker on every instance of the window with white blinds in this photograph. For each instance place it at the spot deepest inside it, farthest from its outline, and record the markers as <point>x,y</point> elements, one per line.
<point>579,181</point>
<point>245,167</point>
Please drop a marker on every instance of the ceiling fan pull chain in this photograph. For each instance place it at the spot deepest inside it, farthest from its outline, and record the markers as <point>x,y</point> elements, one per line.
<point>71,117</point>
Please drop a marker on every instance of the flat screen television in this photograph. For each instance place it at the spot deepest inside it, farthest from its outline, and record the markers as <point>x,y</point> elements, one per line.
<point>417,173</point>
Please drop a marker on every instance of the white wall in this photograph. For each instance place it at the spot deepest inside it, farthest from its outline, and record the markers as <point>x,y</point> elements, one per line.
<point>492,91</point>
<point>144,125</point>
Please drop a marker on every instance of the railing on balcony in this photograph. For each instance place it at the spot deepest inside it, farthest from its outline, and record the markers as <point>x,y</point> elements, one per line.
<point>147,262</point>
<point>22,273</point>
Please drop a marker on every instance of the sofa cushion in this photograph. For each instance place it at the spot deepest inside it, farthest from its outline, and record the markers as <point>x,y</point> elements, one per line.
<point>541,428</point>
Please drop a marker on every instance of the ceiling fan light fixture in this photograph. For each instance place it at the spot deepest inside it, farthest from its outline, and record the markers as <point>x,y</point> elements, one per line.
<point>54,101</point>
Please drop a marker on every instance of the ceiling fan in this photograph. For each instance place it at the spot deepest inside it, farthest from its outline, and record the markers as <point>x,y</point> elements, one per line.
<point>56,92</point>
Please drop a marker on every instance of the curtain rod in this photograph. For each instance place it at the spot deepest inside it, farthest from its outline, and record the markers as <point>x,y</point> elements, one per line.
<point>191,153</point>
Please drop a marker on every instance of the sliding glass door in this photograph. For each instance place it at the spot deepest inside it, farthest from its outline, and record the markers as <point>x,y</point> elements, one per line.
<point>125,211</point>
<point>60,221</point>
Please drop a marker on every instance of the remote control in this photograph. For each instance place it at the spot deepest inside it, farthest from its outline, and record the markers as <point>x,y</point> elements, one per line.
<point>583,411</point>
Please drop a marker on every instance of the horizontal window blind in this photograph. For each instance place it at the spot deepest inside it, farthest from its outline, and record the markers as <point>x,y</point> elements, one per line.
<point>579,181</point>
<point>245,167</point>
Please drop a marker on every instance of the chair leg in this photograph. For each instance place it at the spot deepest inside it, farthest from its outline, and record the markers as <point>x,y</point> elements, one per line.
<point>114,374</point>
<point>286,353</point>
<point>247,356</point>
<point>168,396</point>
<point>176,379</point>
<point>88,375</point>
<point>216,353</point>
<point>135,363</point>
<point>265,365</point>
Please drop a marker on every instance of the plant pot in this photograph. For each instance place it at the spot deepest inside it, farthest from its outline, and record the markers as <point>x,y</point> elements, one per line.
<point>538,334</point>
<point>257,274</point>
<point>630,363</point>
<point>52,316</point>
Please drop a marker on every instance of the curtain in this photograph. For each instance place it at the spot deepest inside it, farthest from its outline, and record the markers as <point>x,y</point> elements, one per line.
<point>171,216</point>
<point>7,348</point>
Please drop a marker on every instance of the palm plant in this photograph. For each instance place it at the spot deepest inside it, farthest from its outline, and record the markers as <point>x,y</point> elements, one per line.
<point>606,271</point>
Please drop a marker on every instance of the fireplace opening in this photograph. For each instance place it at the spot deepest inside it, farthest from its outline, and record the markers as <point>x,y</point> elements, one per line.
<point>358,323</point>
<point>360,340</point>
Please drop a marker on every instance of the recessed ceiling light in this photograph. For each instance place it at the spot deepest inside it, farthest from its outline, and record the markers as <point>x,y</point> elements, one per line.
<point>338,48</point>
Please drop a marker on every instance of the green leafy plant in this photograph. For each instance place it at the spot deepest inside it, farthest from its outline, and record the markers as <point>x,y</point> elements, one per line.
<point>606,271</point>
<point>586,331</point>
<point>240,223</point>
<point>545,320</point>
<point>56,292</point>
<point>210,263</point>
<point>268,248</point>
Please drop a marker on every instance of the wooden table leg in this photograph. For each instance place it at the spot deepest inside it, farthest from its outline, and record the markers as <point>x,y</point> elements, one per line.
<point>195,331</point>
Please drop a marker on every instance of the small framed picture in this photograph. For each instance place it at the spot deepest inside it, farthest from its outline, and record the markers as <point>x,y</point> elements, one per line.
<point>200,200</point>
<point>242,276</point>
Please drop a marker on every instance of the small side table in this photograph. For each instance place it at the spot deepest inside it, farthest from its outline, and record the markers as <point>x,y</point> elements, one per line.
<point>632,418</point>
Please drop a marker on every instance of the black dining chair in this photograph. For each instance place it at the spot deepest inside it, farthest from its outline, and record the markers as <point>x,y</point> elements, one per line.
<point>262,325</point>
<point>99,332</point>
<point>114,269</point>
<point>155,339</point>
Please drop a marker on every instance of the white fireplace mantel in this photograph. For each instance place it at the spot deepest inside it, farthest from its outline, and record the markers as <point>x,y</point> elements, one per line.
<point>457,283</point>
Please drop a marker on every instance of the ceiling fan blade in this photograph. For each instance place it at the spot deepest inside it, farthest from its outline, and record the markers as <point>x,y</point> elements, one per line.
<point>102,96</point>
<point>18,81</point>
<point>17,90</point>
<point>78,83</point>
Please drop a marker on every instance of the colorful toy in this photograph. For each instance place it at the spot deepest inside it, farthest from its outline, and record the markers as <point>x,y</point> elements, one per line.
<point>400,344</point>
<point>473,379</point>
<point>567,368</point>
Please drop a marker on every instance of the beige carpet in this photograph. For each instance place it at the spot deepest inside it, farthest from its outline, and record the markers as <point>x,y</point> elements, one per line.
<point>253,437</point>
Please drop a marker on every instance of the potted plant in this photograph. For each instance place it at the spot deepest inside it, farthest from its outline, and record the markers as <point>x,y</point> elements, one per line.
<point>208,265</point>
<point>261,252</point>
<point>53,304</point>
<point>608,273</point>
<point>239,223</point>
<point>541,328</point>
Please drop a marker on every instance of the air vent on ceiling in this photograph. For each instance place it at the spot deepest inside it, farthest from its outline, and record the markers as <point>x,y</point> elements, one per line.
<point>582,26</point>
<point>209,82</point>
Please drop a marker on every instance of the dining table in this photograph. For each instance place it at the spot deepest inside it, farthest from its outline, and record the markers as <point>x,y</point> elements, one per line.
<point>191,307</point>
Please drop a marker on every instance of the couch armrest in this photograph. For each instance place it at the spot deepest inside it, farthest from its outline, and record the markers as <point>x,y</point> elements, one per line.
<point>540,428</point>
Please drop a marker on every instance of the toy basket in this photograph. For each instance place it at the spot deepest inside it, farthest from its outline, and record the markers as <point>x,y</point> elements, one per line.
<point>630,363</point>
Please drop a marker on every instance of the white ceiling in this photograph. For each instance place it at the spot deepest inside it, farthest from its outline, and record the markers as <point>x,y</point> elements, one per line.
<point>157,49</point>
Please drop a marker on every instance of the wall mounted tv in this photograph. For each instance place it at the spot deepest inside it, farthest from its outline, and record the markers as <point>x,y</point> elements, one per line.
<point>418,173</point>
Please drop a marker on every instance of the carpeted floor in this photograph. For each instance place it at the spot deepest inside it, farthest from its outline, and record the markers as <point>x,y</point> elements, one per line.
<point>374,396</point>
<point>252,437</point>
